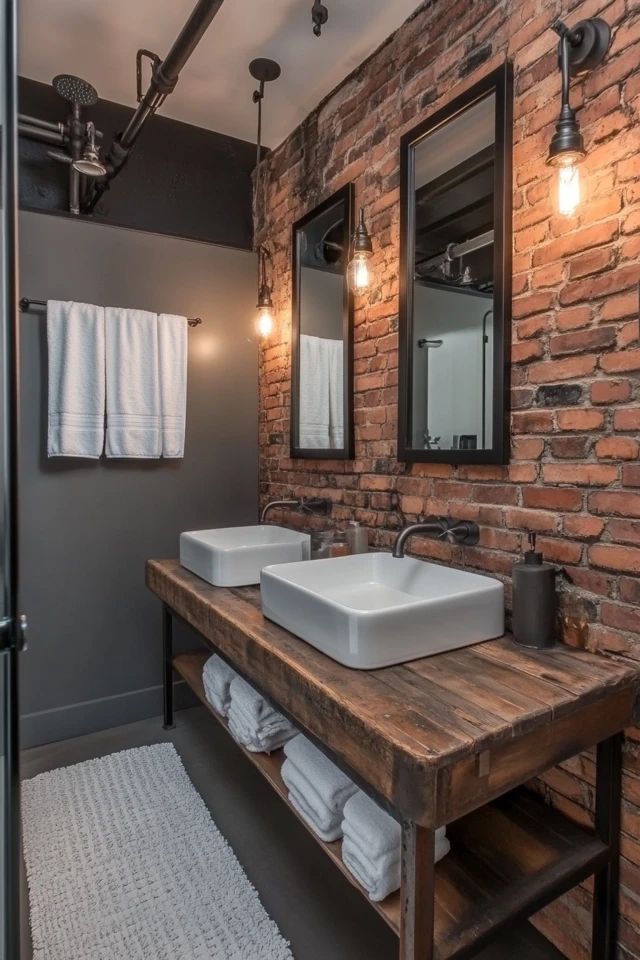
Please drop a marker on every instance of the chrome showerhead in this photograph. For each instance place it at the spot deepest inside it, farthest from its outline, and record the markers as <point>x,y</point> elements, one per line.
<point>75,90</point>
<point>90,163</point>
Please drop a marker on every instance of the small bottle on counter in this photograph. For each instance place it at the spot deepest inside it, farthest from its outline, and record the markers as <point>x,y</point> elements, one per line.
<point>340,546</point>
<point>357,537</point>
<point>534,600</point>
<point>321,541</point>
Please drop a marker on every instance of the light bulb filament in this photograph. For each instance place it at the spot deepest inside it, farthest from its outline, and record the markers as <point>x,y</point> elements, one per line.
<point>568,189</point>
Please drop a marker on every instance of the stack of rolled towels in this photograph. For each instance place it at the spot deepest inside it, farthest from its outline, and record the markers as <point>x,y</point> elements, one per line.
<point>372,844</point>
<point>252,720</point>
<point>325,798</point>
<point>318,790</point>
<point>216,678</point>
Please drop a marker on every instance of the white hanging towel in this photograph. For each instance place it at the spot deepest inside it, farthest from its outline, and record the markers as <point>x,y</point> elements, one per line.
<point>173,348</point>
<point>314,393</point>
<point>336,408</point>
<point>134,427</point>
<point>76,358</point>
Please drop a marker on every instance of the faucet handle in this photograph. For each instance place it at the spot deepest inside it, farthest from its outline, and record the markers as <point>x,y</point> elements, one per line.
<point>466,533</point>
<point>320,506</point>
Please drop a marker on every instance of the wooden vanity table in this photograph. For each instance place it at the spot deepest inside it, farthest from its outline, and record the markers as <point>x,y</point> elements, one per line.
<point>449,739</point>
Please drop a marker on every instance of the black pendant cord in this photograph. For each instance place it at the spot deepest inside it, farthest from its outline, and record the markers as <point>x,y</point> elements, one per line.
<point>263,70</point>
<point>258,97</point>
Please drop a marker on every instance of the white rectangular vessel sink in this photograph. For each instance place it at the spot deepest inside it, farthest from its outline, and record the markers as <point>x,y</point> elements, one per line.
<point>234,556</point>
<point>372,610</point>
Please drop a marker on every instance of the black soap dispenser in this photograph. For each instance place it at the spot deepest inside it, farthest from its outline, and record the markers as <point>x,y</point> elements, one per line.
<point>534,600</point>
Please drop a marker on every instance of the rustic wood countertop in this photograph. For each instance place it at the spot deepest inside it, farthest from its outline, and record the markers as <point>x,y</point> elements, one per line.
<point>435,738</point>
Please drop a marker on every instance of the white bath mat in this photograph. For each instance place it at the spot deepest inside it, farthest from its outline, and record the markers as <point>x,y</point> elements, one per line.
<point>124,863</point>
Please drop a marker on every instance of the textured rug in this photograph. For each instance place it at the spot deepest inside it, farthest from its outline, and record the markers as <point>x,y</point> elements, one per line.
<point>124,863</point>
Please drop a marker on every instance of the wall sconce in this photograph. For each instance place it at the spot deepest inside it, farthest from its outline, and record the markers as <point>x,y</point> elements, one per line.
<point>264,318</point>
<point>580,50</point>
<point>361,251</point>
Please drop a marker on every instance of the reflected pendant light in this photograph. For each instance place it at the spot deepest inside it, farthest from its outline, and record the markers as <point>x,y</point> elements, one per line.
<point>580,50</point>
<point>264,71</point>
<point>361,251</point>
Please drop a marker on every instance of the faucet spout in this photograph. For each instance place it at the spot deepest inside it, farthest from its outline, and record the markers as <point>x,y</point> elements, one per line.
<point>436,528</point>
<point>463,532</point>
<point>318,506</point>
<point>274,504</point>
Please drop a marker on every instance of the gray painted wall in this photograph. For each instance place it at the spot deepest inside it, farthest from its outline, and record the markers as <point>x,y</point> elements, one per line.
<point>87,527</point>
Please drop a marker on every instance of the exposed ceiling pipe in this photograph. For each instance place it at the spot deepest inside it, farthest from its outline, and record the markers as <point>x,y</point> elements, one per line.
<point>165,74</point>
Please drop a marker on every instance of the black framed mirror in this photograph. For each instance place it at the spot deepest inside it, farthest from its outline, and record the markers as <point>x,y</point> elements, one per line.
<point>322,331</point>
<point>455,279</point>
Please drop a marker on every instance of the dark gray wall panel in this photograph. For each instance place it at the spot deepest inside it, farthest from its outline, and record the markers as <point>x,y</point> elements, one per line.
<point>180,179</point>
<point>87,527</point>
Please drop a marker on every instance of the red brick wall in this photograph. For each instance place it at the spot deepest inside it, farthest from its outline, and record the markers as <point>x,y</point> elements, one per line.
<point>574,475</point>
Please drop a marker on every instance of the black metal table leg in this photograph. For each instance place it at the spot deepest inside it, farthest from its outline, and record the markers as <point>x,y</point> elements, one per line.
<point>606,882</point>
<point>167,666</point>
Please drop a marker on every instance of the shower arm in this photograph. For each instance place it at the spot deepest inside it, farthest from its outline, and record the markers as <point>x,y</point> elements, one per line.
<point>164,77</point>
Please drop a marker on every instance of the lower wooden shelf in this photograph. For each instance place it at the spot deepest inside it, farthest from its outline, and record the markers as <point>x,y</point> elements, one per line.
<point>507,860</point>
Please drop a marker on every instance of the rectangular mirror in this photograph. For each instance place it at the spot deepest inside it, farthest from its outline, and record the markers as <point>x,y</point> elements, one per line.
<point>322,332</point>
<point>455,279</point>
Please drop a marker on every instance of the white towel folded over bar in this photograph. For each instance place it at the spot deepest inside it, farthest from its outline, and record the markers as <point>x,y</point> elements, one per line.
<point>134,418</point>
<point>216,678</point>
<point>172,354</point>
<point>77,382</point>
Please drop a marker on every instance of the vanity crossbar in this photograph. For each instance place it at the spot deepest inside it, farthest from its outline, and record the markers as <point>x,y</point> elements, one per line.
<point>444,740</point>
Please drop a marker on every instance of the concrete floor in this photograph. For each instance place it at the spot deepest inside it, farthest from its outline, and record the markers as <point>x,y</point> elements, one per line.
<point>313,905</point>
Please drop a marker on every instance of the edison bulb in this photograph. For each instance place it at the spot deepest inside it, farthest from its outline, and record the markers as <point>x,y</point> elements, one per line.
<point>359,269</point>
<point>264,322</point>
<point>568,189</point>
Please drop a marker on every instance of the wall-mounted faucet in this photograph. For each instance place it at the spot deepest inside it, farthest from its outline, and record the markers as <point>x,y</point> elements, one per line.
<point>317,506</point>
<point>463,532</point>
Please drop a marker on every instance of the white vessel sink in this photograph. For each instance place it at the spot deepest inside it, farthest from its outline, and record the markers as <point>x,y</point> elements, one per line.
<point>372,610</point>
<point>234,556</point>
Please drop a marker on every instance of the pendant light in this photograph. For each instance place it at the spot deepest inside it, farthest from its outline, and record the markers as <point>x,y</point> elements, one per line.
<point>361,251</point>
<point>264,318</point>
<point>264,71</point>
<point>579,51</point>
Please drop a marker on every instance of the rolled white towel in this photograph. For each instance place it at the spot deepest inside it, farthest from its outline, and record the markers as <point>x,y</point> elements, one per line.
<point>253,703</point>
<point>372,846</point>
<point>331,785</point>
<point>328,820</point>
<point>216,678</point>
<point>299,803</point>
<point>371,828</point>
<point>378,883</point>
<point>256,738</point>
<point>268,725</point>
